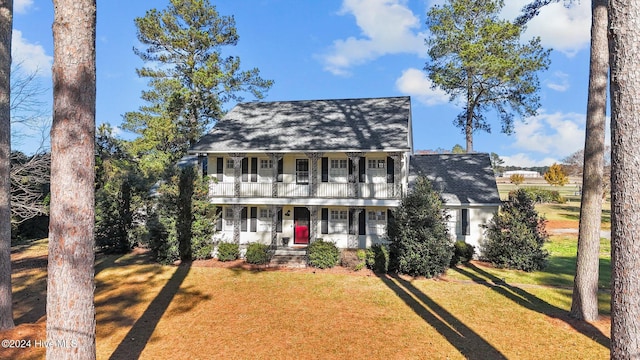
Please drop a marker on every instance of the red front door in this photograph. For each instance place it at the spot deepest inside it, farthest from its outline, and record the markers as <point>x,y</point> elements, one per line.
<point>301,225</point>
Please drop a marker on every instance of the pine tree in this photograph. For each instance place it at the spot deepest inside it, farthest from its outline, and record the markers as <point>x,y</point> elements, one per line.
<point>190,79</point>
<point>6,21</point>
<point>481,61</point>
<point>625,176</point>
<point>70,273</point>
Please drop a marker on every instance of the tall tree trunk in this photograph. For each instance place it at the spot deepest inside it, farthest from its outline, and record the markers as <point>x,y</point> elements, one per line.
<point>584,304</point>
<point>6,23</point>
<point>70,282</point>
<point>624,49</point>
<point>185,212</point>
<point>468,128</point>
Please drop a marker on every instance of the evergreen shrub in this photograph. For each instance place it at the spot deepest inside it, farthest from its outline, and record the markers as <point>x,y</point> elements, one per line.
<point>377,258</point>
<point>462,253</point>
<point>419,234</point>
<point>516,235</point>
<point>228,251</point>
<point>322,254</point>
<point>258,254</point>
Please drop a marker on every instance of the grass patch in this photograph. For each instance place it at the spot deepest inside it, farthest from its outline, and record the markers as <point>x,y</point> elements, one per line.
<point>149,311</point>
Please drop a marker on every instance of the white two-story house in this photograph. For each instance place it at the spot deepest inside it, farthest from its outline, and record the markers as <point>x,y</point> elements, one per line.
<point>289,172</point>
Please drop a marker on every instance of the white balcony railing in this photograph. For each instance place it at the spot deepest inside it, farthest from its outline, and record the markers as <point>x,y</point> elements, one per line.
<point>255,189</point>
<point>333,190</point>
<point>220,189</point>
<point>323,190</point>
<point>379,191</point>
<point>293,190</point>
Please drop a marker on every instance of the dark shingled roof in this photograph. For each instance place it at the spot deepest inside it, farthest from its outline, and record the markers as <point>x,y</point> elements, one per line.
<point>373,124</point>
<point>461,178</point>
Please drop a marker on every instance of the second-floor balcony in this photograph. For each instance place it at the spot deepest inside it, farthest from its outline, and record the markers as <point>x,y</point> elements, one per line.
<point>293,190</point>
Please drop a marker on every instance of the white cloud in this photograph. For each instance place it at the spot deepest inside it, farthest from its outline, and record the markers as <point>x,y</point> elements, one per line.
<point>523,160</point>
<point>565,29</point>
<point>415,83</point>
<point>560,82</point>
<point>31,57</point>
<point>558,134</point>
<point>21,6</point>
<point>388,27</point>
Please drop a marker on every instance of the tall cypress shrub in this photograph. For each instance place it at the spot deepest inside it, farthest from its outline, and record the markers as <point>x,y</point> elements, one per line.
<point>420,241</point>
<point>516,235</point>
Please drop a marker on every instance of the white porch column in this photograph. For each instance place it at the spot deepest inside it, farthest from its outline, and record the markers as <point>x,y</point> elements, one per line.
<point>313,179</point>
<point>237,172</point>
<point>354,178</point>
<point>274,223</point>
<point>275,159</point>
<point>397,173</point>
<point>313,223</point>
<point>237,213</point>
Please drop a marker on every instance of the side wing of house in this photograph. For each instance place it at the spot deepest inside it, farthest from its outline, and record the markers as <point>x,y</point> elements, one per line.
<point>292,172</point>
<point>468,187</point>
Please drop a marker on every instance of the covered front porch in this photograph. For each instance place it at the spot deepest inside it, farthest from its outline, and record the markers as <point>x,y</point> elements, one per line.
<point>291,227</point>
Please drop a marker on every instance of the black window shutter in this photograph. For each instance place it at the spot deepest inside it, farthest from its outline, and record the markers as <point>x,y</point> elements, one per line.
<point>219,168</point>
<point>362,228</point>
<point>362,169</point>
<point>325,170</point>
<point>205,165</point>
<point>389,219</point>
<point>245,169</point>
<point>352,228</point>
<point>390,170</point>
<point>218,218</point>
<point>279,221</point>
<point>350,166</point>
<point>254,169</point>
<point>465,222</point>
<point>243,219</point>
<point>254,220</point>
<point>280,170</point>
<point>324,223</point>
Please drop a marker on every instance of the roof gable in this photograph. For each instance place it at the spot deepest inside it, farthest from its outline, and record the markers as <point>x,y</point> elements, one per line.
<point>372,124</point>
<point>461,178</point>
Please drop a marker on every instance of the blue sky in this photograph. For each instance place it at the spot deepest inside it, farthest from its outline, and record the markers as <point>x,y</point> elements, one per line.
<point>321,49</point>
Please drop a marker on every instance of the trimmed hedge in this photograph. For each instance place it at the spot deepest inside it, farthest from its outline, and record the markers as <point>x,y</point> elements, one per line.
<point>462,253</point>
<point>228,251</point>
<point>540,196</point>
<point>258,254</point>
<point>323,254</point>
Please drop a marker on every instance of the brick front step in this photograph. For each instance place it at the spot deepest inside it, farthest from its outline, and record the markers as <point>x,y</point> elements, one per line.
<point>289,257</point>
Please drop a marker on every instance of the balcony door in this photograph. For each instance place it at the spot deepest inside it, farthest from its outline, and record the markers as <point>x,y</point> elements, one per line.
<point>301,225</point>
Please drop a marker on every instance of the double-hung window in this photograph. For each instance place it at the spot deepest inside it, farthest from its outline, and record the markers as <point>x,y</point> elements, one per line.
<point>338,171</point>
<point>338,221</point>
<point>302,171</point>
<point>265,170</point>
<point>228,218</point>
<point>264,219</point>
<point>377,222</point>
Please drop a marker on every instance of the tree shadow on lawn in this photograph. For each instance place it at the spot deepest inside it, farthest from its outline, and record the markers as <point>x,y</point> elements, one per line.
<point>32,299</point>
<point>136,340</point>
<point>562,269</point>
<point>470,344</point>
<point>532,302</point>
